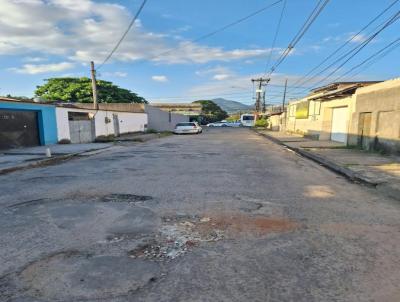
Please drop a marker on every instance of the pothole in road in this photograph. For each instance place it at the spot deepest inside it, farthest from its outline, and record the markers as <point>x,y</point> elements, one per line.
<point>79,276</point>
<point>130,198</point>
<point>180,234</point>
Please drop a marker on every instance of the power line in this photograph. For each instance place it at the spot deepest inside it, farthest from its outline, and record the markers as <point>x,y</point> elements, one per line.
<point>249,93</point>
<point>125,33</point>
<point>356,50</point>
<point>377,59</point>
<point>275,36</point>
<point>310,20</point>
<point>389,48</point>
<point>214,32</point>
<point>344,44</point>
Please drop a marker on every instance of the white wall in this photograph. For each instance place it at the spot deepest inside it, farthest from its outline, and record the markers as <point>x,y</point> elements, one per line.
<point>128,121</point>
<point>62,123</point>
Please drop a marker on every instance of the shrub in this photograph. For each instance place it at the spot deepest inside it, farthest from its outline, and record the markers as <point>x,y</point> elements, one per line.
<point>261,123</point>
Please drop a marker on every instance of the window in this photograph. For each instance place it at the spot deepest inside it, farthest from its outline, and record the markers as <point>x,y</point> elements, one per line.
<point>185,125</point>
<point>248,117</point>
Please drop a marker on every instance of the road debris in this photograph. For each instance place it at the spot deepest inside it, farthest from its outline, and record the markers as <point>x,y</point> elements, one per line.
<point>176,238</point>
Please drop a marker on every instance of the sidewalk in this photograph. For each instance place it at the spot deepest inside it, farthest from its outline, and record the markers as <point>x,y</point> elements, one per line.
<point>23,158</point>
<point>382,172</point>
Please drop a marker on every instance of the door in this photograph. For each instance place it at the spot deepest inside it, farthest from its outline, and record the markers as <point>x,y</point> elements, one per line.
<point>364,128</point>
<point>116,124</point>
<point>339,124</point>
<point>81,128</point>
<point>18,129</point>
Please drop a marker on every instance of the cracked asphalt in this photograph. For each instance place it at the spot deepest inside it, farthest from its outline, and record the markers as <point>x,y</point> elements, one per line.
<point>222,216</point>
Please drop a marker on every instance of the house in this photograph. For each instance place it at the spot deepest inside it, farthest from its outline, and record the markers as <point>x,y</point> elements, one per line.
<point>81,123</point>
<point>161,120</point>
<point>192,110</point>
<point>375,121</point>
<point>325,114</point>
<point>25,123</point>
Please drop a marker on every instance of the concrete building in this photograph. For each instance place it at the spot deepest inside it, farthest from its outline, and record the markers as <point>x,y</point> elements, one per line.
<point>80,123</point>
<point>192,110</point>
<point>25,123</point>
<point>325,114</point>
<point>161,120</point>
<point>375,122</point>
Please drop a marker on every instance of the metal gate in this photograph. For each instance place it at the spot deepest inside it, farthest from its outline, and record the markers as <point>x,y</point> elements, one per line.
<point>81,127</point>
<point>18,129</point>
<point>364,129</point>
<point>339,124</point>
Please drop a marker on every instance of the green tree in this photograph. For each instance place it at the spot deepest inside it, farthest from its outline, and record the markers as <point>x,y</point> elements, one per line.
<point>211,112</point>
<point>79,90</point>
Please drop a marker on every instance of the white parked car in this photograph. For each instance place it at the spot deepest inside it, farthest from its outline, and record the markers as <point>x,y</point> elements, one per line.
<point>189,127</point>
<point>218,124</point>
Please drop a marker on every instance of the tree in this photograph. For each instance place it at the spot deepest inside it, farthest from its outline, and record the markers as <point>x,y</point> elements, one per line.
<point>79,90</point>
<point>211,112</point>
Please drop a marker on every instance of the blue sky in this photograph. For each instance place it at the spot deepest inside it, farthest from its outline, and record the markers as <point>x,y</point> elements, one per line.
<point>40,39</point>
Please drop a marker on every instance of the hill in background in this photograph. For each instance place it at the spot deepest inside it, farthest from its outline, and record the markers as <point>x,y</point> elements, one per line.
<point>232,106</point>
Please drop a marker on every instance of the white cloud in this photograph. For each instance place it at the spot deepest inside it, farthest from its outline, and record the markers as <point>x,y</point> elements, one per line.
<point>87,30</point>
<point>34,59</point>
<point>220,77</point>
<point>159,78</point>
<point>360,38</point>
<point>117,74</point>
<point>213,70</point>
<point>43,68</point>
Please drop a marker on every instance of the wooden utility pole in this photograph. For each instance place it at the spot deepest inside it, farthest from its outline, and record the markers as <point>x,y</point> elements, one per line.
<point>94,85</point>
<point>261,82</point>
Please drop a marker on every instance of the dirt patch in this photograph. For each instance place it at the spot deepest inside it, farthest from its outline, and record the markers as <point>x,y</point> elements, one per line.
<point>238,223</point>
<point>130,198</point>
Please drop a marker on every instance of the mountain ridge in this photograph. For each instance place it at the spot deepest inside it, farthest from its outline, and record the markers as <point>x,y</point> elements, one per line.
<point>231,106</point>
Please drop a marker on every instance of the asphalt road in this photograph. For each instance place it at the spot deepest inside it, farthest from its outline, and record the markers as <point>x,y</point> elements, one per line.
<point>222,216</point>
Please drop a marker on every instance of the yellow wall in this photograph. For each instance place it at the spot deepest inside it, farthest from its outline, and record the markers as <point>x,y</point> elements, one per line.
<point>319,122</point>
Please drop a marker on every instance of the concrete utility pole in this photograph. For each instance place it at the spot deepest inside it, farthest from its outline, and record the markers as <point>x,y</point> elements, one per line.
<point>283,103</point>
<point>263,104</point>
<point>94,85</point>
<point>261,82</point>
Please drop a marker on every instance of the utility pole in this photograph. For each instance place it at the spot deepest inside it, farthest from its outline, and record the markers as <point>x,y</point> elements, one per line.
<point>261,82</point>
<point>94,85</point>
<point>283,104</point>
<point>263,104</point>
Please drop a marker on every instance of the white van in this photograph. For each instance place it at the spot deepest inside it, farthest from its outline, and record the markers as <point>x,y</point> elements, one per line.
<point>247,119</point>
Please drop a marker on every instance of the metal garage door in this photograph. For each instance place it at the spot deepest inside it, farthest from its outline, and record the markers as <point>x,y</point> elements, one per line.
<point>339,124</point>
<point>18,129</point>
<point>81,127</point>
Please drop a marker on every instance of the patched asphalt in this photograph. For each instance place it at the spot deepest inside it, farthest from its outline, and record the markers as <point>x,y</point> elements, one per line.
<point>222,216</point>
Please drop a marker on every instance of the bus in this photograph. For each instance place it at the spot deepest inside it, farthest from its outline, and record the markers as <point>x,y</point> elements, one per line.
<point>247,119</point>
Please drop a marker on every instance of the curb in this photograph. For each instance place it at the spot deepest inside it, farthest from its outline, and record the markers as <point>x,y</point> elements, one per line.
<point>48,161</point>
<point>349,174</point>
